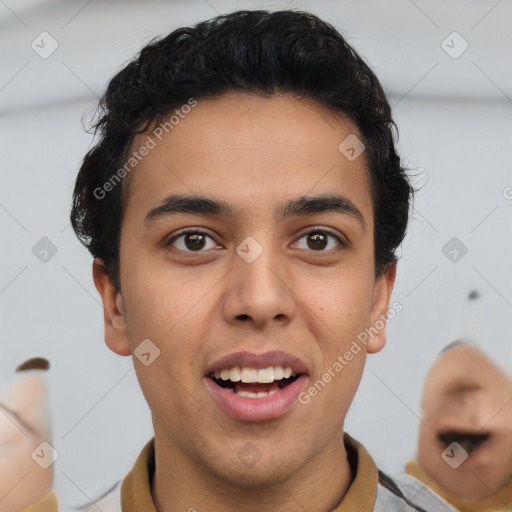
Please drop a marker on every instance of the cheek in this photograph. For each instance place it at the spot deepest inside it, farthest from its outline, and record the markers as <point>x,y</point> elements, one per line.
<point>162,309</point>
<point>429,457</point>
<point>344,305</point>
<point>428,452</point>
<point>157,303</point>
<point>342,308</point>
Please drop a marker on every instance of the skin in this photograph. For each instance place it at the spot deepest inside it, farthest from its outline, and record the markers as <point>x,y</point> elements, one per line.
<point>254,153</point>
<point>465,391</point>
<point>23,426</point>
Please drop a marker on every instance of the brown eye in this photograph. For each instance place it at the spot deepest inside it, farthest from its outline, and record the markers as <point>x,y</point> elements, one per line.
<point>191,241</point>
<point>194,241</point>
<point>318,239</point>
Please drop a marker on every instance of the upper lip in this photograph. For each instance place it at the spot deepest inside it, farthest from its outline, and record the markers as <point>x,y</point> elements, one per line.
<point>251,360</point>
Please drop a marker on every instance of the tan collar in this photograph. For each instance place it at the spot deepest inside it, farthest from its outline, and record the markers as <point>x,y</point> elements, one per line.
<point>360,497</point>
<point>362,492</point>
<point>501,501</point>
<point>47,504</point>
<point>136,487</point>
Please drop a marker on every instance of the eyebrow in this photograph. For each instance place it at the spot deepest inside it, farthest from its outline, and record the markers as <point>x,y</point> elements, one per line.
<point>301,206</point>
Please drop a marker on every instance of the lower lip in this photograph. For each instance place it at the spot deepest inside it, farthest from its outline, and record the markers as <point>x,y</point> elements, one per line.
<point>257,409</point>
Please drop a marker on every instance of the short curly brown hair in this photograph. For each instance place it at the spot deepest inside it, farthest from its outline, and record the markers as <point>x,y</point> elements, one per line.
<point>254,51</point>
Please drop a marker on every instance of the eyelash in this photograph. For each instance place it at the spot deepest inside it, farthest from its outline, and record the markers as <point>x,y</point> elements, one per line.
<point>316,229</point>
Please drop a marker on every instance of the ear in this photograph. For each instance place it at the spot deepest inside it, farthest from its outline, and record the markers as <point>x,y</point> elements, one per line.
<point>113,310</point>
<point>379,315</point>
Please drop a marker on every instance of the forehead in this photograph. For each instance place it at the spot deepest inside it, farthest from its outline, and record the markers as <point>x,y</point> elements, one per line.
<point>239,146</point>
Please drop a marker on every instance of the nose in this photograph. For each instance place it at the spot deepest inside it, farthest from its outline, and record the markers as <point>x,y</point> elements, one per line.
<point>259,288</point>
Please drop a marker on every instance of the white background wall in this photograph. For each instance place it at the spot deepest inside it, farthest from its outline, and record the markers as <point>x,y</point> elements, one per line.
<point>455,126</point>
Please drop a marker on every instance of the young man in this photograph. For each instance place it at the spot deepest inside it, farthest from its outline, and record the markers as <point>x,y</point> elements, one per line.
<point>243,206</point>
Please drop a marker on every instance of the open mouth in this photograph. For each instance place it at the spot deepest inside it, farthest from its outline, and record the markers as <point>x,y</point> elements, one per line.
<point>256,388</point>
<point>469,441</point>
<point>254,383</point>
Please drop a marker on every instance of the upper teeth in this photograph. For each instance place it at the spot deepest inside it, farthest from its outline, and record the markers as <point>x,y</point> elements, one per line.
<point>262,376</point>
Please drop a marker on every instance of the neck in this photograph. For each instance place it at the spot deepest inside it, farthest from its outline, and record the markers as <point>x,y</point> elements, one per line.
<point>180,483</point>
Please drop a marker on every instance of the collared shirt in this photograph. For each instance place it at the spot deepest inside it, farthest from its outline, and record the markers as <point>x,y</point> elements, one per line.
<point>370,490</point>
<point>46,504</point>
<point>500,501</point>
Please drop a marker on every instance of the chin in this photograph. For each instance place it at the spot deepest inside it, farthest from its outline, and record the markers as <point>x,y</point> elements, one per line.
<point>263,478</point>
<point>469,487</point>
<point>263,474</point>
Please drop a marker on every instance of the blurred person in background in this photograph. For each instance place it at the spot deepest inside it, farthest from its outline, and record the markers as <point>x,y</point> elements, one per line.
<point>26,457</point>
<point>464,448</point>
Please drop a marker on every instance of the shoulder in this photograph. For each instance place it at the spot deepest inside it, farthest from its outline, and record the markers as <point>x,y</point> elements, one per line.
<point>372,489</point>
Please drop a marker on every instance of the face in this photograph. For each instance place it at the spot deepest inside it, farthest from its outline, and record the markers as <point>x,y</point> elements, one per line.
<point>466,400</point>
<point>263,288</point>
